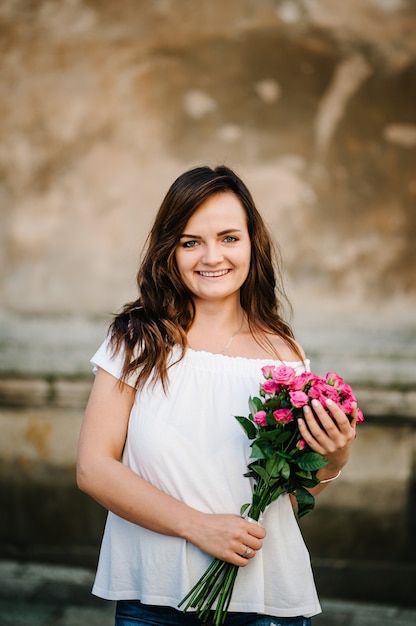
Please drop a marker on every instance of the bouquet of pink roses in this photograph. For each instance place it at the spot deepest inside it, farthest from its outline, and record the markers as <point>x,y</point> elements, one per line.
<point>281,463</point>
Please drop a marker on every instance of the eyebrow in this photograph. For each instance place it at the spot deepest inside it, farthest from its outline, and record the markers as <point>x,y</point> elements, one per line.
<point>222,232</point>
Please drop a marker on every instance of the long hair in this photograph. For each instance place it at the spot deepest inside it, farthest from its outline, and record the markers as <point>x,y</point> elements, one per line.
<point>148,328</point>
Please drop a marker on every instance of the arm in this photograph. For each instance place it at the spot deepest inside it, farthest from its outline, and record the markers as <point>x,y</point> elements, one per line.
<point>332,437</point>
<point>102,475</point>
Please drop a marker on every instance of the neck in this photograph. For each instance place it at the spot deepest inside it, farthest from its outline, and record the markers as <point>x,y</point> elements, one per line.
<point>214,329</point>
<point>225,317</point>
<point>227,345</point>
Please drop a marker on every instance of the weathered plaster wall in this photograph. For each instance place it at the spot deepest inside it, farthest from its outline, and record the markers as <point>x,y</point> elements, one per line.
<point>363,526</point>
<point>102,104</point>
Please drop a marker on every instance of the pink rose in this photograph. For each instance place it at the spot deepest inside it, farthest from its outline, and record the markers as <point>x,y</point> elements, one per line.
<point>299,382</point>
<point>300,444</point>
<point>283,416</point>
<point>283,375</point>
<point>315,378</point>
<point>334,379</point>
<point>360,416</point>
<point>332,393</point>
<point>260,418</point>
<point>346,391</point>
<point>318,390</point>
<point>298,398</point>
<point>315,394</point>
<point>267,371</point>
<point>346,406</point>
<point>270,387</point>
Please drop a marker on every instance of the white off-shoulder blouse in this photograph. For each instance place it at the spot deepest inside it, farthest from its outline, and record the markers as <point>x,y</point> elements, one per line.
<point>189,444</point>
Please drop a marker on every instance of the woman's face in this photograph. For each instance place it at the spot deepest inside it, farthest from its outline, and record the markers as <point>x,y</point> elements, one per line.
<point>213,254</point>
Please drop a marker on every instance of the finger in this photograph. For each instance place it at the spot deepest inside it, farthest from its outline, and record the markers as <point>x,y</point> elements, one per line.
<point>254,536</point>
<point>242,561</point>
<point>318,421</point>
<point>305,431</point>
<point>253,543</point>
<point>354,415</point>
<point>334,420</point>
<point>256,531</point>
<point>325,437</point>
<point>329,415</point>
<point>346,425</point>
<point>248,553</point>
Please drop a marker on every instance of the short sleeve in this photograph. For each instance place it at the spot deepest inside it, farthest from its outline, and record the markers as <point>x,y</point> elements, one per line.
<point>111,363</point>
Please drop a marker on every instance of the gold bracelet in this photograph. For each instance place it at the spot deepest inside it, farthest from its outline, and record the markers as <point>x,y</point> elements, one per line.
<point>329,480</point>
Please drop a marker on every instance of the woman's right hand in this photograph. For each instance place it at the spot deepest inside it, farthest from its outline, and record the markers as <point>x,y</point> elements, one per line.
<point>229,538</point>
<point>101,474</point>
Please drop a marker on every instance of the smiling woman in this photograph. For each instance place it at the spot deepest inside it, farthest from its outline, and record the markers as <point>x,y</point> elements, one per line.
<point>214,260</point>
<point>159,446</point>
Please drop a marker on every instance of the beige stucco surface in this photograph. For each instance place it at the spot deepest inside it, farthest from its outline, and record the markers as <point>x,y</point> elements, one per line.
<point>103,104</point>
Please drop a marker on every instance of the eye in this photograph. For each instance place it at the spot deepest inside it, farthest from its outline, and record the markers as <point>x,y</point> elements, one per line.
<point>230,239</point>
<point>190,244</point>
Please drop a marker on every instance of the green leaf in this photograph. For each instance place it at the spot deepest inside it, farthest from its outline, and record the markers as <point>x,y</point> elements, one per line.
<point>258,403</point>
<point>285,456</point>
<point>249,427</point>
<point>259,469</point>
<point>285,470</point>
<point>271,422</point>
<point>266,436</point>
<point>254,405</point>
<point>274,466</point>
<point>309,482</point>
<point>244,508</point>
<point>311,461</point>
<point>266,450</point>
<point>258,452</point>
<point>277,403</point>
<point>303,474</point>
<point>305,500</point>
<point>282,437</point>
<point>255,500</point>
<point>275,493</point>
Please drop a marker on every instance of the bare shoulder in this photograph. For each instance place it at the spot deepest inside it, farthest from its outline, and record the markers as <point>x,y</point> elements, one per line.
<point>284,349</point>
<point>259,347</point>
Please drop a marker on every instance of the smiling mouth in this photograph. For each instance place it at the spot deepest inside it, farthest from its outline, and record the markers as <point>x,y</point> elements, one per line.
<point>213,274</point>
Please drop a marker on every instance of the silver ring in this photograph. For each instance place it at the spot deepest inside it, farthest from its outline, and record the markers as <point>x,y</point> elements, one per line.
<point>247,553</point>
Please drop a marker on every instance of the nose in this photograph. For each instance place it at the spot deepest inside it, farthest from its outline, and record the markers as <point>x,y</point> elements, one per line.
<point>212,254</point>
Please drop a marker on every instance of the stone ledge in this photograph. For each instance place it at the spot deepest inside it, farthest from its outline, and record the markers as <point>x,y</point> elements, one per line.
<point>343,583</point>
<point>386,403</point>
<point>67,393</point>
<point>40,392</point>
<point>369,581</point>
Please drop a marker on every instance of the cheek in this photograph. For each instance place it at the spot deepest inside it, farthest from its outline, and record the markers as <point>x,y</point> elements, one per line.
<point>246,260</point>
<point>182,263</point>
<point>178,260</point>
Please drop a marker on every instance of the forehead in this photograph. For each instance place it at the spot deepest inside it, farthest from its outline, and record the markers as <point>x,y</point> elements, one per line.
<point>223,209</point>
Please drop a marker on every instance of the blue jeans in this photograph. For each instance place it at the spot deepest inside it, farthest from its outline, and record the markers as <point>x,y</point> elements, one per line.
<point>134,613</point>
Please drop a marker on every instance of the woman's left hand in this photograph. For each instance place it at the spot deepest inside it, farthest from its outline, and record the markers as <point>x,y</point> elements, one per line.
<point>328,431</point>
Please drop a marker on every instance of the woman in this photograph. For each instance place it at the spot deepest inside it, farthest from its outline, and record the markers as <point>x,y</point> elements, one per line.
<point>159,446</point>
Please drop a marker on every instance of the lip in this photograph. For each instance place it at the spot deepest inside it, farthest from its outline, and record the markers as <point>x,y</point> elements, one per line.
<point>213,274</point>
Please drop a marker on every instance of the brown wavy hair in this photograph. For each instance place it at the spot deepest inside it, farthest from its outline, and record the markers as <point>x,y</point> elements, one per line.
<point>148,328</point>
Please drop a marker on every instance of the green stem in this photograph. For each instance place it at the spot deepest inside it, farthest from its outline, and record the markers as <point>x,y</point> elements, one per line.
<point>261,490</point>
<point>196,590</point>
<point>290,442</point>
<point>223,604</point>
<point>206,601</point>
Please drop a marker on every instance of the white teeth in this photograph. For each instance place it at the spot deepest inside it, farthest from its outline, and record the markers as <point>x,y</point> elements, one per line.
<point>209,274</point>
